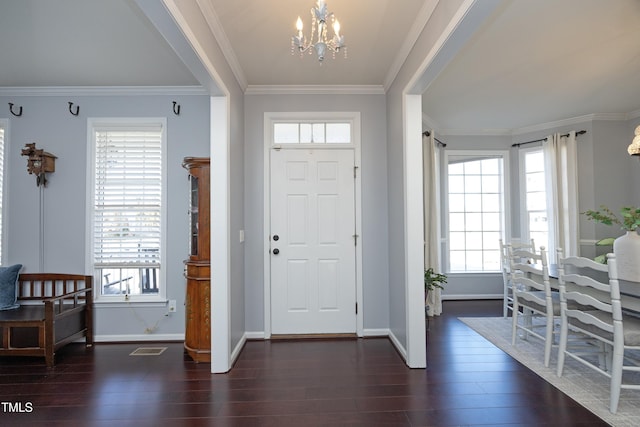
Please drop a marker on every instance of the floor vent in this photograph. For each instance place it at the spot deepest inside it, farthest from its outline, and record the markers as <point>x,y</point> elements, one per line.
<point>148,351</point>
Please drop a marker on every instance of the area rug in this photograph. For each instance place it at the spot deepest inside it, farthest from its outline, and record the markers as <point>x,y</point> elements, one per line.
<point>582,384</point>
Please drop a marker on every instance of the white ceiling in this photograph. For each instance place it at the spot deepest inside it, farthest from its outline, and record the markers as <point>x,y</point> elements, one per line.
<point>536,62</point>
<point>532,62</point>
<point>260,37</point>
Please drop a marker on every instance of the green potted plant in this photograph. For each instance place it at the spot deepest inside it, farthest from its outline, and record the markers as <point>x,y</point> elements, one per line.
<point>630,217</point>
<point>433,280</point>
<point>626,247</point>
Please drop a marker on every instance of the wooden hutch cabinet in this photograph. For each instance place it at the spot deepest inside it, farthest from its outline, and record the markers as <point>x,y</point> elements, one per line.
<point>197,338</point>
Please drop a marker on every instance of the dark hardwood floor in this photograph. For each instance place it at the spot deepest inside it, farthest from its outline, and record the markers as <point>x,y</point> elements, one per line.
<point>344,382</point>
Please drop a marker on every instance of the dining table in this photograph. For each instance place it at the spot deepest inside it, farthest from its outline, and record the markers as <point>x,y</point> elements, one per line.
<point>629,290</point>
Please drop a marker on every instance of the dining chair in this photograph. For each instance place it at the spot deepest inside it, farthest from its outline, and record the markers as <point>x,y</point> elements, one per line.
<point>592,307</point>
<point>532,293</point>
<point>505,265</point>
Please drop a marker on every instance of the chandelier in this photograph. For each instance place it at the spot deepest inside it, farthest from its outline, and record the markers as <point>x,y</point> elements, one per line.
<point>319,16</point>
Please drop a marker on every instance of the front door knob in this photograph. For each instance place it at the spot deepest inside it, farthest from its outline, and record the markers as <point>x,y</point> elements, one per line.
<point>276,251</point>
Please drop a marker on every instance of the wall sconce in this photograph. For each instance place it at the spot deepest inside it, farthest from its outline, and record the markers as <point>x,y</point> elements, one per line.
<point>39,162</point>
<point>634,147</point>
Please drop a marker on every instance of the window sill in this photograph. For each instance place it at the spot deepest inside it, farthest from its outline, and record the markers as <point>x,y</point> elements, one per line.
<point>474,273</point>
<point>141,301</point>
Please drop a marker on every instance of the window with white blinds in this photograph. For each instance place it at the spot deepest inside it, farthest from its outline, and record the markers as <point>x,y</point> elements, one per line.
<point>128,208</point>
<point>2,130</point>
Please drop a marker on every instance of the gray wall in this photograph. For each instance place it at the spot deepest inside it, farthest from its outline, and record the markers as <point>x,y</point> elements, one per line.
<point>395,166</point>
<point>374,197</point>
<point>440,18</point>
<point>47,122</point>
<point>635,174</point>
<point>612,173</point>
<point>237,293</point>
<point>218,68</point>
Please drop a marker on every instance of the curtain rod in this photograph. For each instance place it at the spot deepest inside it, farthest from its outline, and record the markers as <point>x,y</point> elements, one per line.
<point>580,132</point>
<point>427,133</point>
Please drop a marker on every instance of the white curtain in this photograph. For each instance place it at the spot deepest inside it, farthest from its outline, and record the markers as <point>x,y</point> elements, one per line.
<point>431,218</point>
<point>560,154</point>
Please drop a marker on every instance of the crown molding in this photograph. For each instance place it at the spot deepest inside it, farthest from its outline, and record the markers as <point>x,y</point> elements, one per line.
<point>426,120</point>
<point>475,132</point>
<point>633,114</point>
<point>314,90</point>
<point>571,121</point>
<point>102,90</point>
<point>412,36</point>
<point>215,26</point>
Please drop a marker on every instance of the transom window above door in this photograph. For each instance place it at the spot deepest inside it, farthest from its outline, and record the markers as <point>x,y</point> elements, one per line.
<point>312,133</point>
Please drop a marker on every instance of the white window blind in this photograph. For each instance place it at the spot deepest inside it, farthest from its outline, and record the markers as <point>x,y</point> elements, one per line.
<point>127,197</point>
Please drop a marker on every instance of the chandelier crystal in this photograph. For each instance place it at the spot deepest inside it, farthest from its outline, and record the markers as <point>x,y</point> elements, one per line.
<point>319,18</point>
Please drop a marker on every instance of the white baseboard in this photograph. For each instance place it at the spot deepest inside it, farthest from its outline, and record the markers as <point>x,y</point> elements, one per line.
<point>237,350</point>
<point>254,335</point>
<point>138,338</point>
<point>259,335</point>
<point>396,343</point>
<point>472,296</point>
<point>375,333</point>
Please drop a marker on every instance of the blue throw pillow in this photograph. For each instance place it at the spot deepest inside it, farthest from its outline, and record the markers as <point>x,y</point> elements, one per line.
<point>9,287</point>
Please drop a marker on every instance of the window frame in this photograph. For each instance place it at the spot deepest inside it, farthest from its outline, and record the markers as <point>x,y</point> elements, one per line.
<point>525,232</point>
<point>323,125</point>
<point>94,124</point>
<point>505,220</point>
<point>299,118</point>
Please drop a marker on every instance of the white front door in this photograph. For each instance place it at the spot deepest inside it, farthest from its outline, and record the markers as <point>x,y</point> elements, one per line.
<point>313,281</point>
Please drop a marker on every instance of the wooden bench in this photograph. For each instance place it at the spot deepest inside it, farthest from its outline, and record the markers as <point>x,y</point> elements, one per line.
<point>55,309</point>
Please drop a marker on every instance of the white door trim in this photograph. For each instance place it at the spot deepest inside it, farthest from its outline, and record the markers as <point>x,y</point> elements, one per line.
<point>269,119</point>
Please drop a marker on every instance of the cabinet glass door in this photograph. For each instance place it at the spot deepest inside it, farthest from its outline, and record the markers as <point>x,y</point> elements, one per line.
<point>193,212</point>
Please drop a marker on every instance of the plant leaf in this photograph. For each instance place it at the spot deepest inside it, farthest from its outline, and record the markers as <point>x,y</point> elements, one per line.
<point>606,242</point>
<point>602,259</point>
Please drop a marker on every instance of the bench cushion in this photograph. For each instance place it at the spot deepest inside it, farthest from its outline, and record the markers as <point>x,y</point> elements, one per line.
<point>8,287</point>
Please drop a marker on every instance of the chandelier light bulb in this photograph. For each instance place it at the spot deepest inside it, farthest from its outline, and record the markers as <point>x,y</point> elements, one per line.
<point>299,24</point>
<point>336,28</point>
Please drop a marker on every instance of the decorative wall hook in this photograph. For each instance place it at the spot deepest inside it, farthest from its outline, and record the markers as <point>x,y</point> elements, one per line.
<point>77,109</point>
<point>39,162</point>
<point>18,114</point>
<point>176,108</point>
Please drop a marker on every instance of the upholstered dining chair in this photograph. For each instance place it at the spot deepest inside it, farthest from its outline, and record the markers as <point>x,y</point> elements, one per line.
<point>592,308</point>
<point>532,294</point>
<point>505,265</point>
